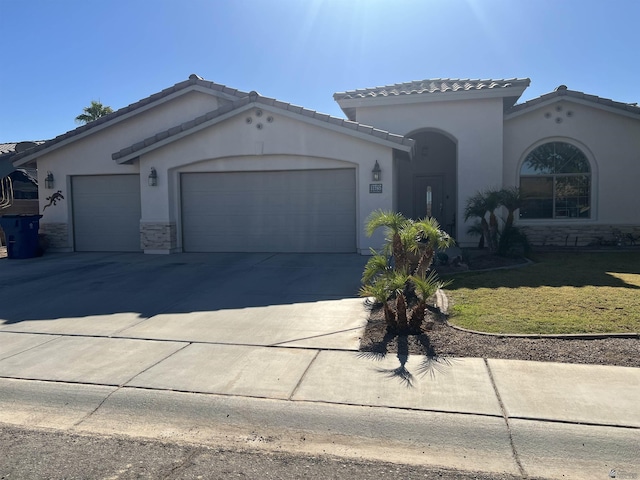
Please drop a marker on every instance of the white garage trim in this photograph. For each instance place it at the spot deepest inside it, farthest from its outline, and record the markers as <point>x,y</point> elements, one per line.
<point>275,211</point>
<point>106,213</point>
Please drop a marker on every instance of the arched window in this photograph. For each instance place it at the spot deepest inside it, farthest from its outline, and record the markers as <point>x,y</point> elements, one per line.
<point>555,181</point>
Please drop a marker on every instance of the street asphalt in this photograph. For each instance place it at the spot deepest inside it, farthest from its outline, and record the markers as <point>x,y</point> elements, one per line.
<point>261,351</point>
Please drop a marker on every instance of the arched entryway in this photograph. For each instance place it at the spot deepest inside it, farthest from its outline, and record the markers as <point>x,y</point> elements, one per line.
<point>427,183</point>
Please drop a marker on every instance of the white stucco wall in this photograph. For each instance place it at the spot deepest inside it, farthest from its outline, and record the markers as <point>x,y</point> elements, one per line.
<point>475,125</point>
<point>91,155</point>
<point>284,143</point>
<point>610,141</point>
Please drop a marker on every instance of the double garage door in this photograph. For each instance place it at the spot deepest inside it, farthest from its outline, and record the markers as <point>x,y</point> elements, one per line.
<point>283,211</point>
<point>280,211</point>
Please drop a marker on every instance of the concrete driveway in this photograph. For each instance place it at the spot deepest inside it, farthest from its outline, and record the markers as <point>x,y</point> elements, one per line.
<point>227,349</point>
<point>297,300</point>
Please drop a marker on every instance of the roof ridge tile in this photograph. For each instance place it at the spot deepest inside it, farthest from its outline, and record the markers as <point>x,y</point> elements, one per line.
<point>430,86</point>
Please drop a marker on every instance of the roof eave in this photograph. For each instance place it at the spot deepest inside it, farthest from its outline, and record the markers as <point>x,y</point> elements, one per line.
<point>571,96</point>
<point>194,86</point>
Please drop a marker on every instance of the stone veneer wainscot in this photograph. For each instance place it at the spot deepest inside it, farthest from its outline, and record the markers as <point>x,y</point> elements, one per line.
<point>158,236</point>
<point>57,236</point>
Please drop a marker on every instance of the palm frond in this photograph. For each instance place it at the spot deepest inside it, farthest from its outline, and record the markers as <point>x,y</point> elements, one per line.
<point>393,221</point>
<point>425,287</point>
<point>377,265</point>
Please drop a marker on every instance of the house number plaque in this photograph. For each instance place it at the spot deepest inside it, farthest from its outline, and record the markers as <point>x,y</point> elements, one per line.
<point>375,188</point>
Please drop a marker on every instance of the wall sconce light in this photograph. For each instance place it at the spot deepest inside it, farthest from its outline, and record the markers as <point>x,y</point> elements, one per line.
<point>376,172</point>
<point>48,181</point>
<point>153,178</point>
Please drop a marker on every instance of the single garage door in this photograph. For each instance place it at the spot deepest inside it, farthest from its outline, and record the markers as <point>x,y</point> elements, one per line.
<point>106,213</point>
<point>283,211</point>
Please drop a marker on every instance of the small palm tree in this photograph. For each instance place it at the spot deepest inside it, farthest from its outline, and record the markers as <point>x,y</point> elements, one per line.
<point>492,202</point>
<point>511,199</point>
<point>379,290</point>
<point>477,208</point>
<point>477,231</point>
<point>398,282</point>
<point>500,242</point>
<point>424,238</point>
<point>93,112</point>
<point>394,286</point>
<point>385,284</point>
<point>393,222</point>
<point>425,288</point>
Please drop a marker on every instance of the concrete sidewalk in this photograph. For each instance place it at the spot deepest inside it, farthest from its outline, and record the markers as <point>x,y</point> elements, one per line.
<point>288,375</point>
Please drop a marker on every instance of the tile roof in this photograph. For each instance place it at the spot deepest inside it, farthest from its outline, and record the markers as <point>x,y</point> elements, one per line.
<point>14,147</point>
<point>431,86</point>
<point>7,148</point>
<point>7,153</point>
<point>255,98</point>
<point>563,91</point>
<point>193,80</point>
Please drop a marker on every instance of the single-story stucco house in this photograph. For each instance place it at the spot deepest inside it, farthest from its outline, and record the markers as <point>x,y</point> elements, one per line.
<point>201,167</point>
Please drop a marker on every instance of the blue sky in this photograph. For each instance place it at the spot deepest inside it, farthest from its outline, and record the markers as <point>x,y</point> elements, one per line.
<point>58,55</point>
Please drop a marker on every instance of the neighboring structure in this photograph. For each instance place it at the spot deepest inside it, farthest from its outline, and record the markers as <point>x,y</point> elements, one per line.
<point>23,183</point>
<point>18,188</point>
<point>200,167</point>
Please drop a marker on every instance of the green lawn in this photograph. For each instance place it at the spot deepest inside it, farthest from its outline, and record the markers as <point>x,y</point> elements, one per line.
<point>561,293</point>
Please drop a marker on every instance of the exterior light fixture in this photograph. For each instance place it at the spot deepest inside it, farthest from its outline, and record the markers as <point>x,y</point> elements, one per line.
<point>153,178</point>
<point>48,181</point>
<point>376,172</point>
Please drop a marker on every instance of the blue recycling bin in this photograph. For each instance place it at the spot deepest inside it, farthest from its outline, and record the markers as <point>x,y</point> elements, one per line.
<point>21,234</point>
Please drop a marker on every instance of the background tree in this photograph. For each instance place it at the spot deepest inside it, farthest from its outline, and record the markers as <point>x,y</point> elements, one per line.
<point>93,112</point>
<point>477,208</point>
<point>508,240</point>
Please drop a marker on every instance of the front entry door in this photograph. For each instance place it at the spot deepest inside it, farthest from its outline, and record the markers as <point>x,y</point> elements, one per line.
<point>428,198</point>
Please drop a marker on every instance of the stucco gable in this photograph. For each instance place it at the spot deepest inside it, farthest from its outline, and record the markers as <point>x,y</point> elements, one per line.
<point>438,89</point>
<point>253,100</point>
<point>193,83</point>
<point>562,93</point>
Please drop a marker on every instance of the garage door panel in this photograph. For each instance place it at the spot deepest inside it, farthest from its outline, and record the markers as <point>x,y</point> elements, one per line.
<point>106,213</point>
<point>289,211</point>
